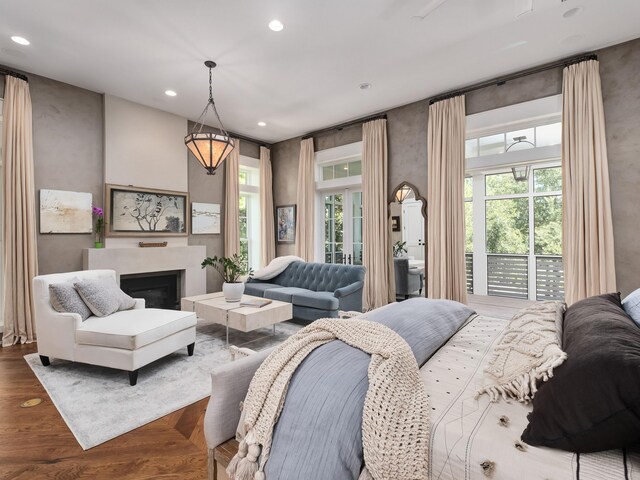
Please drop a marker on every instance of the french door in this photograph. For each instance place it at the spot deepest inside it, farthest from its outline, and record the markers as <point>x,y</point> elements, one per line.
<point>343,226</point>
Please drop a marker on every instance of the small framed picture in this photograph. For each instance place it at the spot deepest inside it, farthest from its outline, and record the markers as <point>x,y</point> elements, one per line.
<point>286,224</point>
<point>205,218</point>
<point>395,223</point>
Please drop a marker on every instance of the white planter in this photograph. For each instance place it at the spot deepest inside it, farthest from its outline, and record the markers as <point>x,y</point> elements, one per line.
<point>233,291</point>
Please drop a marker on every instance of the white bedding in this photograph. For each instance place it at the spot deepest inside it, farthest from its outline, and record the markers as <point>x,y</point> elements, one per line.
<point>467,434</point>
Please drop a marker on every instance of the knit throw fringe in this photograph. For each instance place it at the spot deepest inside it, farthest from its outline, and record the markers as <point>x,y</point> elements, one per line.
<point>395,419</point>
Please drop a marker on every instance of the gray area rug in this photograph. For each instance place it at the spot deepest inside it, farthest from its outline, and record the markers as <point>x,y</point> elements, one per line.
<point>98,404</point>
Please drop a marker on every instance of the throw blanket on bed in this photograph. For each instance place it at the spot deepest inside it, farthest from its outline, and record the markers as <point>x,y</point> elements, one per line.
<point>395,427</point>
<point>276,267</point>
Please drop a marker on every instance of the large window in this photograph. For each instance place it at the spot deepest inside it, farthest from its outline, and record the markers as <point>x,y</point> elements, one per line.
<point>249,211</point>
<point>521,139</point>
<point>516,233</point>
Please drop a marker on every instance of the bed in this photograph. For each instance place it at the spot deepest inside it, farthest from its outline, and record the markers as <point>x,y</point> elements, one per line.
<point>471,438</point>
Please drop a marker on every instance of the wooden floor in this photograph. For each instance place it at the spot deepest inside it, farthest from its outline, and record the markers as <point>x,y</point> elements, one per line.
<point>35,442</point>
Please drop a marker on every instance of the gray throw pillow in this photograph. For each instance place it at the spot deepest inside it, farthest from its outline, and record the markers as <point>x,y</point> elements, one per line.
<point>64,298</point>
<point>631,305</point>
<point>103,296</point>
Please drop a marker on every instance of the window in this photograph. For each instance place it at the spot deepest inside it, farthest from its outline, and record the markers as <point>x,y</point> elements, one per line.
<point>342,170</point>
<point>534,137</point>
<point>249,211</point>
<point>519,224</point>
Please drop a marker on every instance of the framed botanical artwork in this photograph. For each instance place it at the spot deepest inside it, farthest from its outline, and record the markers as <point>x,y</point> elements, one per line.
<point>205,218</point>
<point>134,211</point>
<point>286,224</point>
<point>65,212</point>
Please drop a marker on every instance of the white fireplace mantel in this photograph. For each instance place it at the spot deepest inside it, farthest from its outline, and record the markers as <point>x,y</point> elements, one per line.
<point>124,261</point>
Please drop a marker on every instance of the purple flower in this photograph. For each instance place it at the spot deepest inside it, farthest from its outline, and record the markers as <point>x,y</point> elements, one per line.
<point>97,212</point>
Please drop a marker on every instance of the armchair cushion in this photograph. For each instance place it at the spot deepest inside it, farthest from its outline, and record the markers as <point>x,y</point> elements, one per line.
<point>132,329</point>
<point>64,298</point>
<point>103,296</point>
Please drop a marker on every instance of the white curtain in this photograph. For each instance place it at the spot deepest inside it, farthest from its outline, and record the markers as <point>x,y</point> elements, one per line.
<point>446,273</point>
<point>588,250</point>
<point>305,200</point>
<point>232,201</point>
<point>379,288</point>
<point>267,230</point>
<point>20,254</point>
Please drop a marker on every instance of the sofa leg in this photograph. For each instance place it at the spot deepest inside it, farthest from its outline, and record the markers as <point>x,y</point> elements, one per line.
<point>45,360</point>
<point>133,377</point>
<point>420,292</point>
<point>190,348</point>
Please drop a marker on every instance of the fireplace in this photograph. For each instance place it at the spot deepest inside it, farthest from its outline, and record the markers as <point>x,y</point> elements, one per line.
<point>159,289</point>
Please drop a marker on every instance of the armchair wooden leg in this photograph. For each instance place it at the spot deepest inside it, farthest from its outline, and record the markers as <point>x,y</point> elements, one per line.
<point>190,348</point>
<point>45,360</point>
<point>133,377</point>
<point>406,297</point>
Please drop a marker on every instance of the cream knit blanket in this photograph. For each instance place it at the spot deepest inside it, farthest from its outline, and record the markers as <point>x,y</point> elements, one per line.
<point>395,423</point>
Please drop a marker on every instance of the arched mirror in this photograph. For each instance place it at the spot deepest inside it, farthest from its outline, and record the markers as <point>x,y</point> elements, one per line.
<point>408,214</point>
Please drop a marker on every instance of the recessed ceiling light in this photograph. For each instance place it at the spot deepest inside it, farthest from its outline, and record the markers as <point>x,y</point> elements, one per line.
<point>20,40</point>
<point>365,86</point>
<point>276,25</point>
<point>572,12</point>
<point>170,93</point>
<point>262,124</point>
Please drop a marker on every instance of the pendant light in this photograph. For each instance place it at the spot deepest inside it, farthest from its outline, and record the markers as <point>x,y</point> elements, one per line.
<point>209,148</point>
<point>402,193</point>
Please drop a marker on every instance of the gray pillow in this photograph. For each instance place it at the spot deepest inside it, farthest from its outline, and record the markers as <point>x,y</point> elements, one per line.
<point>103,296</point>
<point>64,298</point>
<point>631,305</point>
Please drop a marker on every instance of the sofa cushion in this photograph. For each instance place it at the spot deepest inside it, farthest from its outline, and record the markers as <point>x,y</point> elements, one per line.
<point>257,289</point>
<point>132,329</point>
<point>631,305</point>
<point>319,300</point>
<point>64,298</point>
<point>284,294</point>
<point>319,277</point>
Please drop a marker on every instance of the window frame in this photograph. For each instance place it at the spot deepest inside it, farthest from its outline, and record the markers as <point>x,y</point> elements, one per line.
<point>252,194</point>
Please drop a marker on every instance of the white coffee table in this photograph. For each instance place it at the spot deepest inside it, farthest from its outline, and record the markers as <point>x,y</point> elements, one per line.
<point>214,308</point>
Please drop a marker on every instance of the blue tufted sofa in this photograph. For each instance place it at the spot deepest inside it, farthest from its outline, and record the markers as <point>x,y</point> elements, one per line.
<point>316,290</point>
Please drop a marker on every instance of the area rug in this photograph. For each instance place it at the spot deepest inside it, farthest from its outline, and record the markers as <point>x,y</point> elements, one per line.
<point>98,404</point>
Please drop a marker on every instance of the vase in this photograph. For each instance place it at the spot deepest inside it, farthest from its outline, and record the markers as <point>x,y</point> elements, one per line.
<point>99,245</point>
<point>233,291</point>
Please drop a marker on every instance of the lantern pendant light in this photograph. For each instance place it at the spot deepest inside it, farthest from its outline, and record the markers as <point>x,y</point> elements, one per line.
<point>209,148</point>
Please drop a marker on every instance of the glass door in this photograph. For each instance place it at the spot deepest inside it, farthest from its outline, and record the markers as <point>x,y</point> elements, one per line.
<point>343,227</point>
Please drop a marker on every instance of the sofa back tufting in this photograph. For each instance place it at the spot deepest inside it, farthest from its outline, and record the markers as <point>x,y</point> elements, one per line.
<point>319,277</point>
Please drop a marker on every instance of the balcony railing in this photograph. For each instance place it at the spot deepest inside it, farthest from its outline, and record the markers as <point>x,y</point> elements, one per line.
<point>508,276</point>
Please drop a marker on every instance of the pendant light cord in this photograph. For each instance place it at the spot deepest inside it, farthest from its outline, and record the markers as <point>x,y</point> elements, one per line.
<point>211,103</point>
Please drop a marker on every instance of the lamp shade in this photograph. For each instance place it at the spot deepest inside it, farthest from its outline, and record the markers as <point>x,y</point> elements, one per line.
<point>210,149</point>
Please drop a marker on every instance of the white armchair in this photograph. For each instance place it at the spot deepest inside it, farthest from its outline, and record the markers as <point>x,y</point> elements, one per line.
<point>126,340</point>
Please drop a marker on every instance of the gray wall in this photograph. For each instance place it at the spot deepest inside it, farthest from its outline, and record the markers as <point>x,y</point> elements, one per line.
<point>67,148</point>
<point>407,137</point>
<point>210,189</point>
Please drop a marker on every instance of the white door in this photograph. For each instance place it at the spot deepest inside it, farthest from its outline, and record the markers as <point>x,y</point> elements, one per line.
<point>413,228</point>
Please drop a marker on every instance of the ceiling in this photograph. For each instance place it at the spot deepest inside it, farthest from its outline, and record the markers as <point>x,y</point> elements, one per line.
<point>307,76</point>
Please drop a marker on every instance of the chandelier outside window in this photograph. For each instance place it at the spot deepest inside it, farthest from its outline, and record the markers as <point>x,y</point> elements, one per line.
<point>209,148</point>
<point>520,172</point>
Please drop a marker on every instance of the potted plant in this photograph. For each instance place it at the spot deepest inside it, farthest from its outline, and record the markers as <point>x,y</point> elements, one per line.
<point>230,269</point>
<point>98,215</point>
<point>399,249</point>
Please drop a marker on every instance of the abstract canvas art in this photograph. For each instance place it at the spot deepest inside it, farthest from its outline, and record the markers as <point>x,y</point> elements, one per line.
<point>286,224</point>
<point>146,211</point>
<point>205,218</point>
<point>65,212</point>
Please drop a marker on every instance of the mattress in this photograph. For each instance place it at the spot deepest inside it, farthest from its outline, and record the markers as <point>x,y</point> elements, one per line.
<point>474,439</point>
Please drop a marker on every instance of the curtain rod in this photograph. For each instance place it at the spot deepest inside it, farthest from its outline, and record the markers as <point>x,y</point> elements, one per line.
<point>524,73</point>
<point>345,125</point>
<point>249,139</point>
<point>4,71</point>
